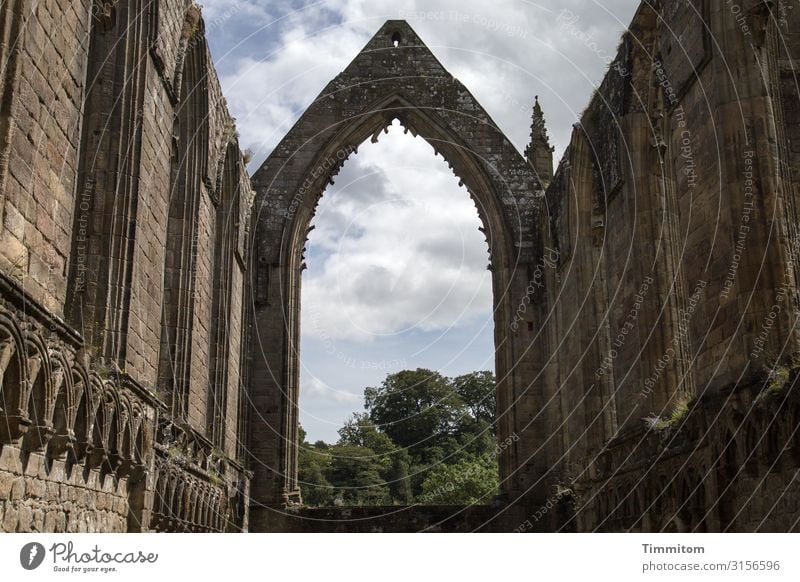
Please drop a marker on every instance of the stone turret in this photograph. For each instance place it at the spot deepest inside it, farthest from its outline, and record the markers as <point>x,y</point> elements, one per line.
<point>539,151</point>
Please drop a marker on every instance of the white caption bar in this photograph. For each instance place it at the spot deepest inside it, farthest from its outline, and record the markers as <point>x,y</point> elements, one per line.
<point>400,557</point>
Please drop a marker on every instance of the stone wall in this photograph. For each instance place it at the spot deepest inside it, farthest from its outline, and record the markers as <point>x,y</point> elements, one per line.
<point>115,415</point>
<point>673,213</point>
<point>36,498</point>
<point>45,69</point>
<point>387,519</point>
<point>729,464</point>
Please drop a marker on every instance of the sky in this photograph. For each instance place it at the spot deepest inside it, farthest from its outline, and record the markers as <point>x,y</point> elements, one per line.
<point>396,274</point>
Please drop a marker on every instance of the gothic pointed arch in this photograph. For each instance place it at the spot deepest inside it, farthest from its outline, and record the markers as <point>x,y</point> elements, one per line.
<point>14,420</point>
<point>101,279</point>
<point>189,184</point>
<point>394,77</point>
<point>226,314</point>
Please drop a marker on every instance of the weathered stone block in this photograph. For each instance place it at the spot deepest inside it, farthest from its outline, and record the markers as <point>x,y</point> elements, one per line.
<point>39,521</point>
<point>18,489</point>
<point>50,520</point>
<point>36,488</point>
<point>6,483</point>
<point>61,522</point>
<point>10,518</point>
<point>25,518</point>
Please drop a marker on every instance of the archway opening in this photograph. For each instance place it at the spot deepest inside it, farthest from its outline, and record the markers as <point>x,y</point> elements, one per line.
<point>397,389</point>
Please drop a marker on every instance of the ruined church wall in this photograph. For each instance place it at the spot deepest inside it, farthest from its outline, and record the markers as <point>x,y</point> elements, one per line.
<point>675,218</point>
<point>42,92</point>
<point>91,443</point>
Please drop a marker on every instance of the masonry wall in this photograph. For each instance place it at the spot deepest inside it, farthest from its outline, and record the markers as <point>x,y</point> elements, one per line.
<point>41,124</point>
<point>389,519</point>
<point>90,107</point>
<point>674,214</point>
<point>35,499</point>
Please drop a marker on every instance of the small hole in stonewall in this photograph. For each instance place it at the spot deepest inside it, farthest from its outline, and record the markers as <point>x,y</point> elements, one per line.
<point>530,326</point>
<point>396,39</point>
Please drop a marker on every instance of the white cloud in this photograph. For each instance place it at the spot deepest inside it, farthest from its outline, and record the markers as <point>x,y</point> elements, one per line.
<point>505,52</point>
<point>315,389</point>
<point>389,254</point>
<point>397,269</point>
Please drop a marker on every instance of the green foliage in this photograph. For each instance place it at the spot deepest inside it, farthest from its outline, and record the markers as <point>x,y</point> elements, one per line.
<point>359,431</point>
<point>415,408</point>
<point>398,478</point>
<point>478,392</point>
<point>464,483</point>
<point>313,465</point>
<point>358,474</point>
<point>424,438</point>
<point>778,378</point>
<point>679,411</point>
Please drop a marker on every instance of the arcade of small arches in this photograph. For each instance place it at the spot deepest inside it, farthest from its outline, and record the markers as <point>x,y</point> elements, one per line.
<point>53,404</point>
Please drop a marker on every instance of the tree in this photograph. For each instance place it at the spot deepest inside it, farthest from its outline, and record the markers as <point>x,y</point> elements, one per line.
<point>424,438</point>
<point>414,408</point>
<point>463,483</point>
<point>357,473</point>
<point>474,439</point>
<point>398,478</point>
<point>360,431</point>
<point>478,391</point>
<point>313,463</point>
